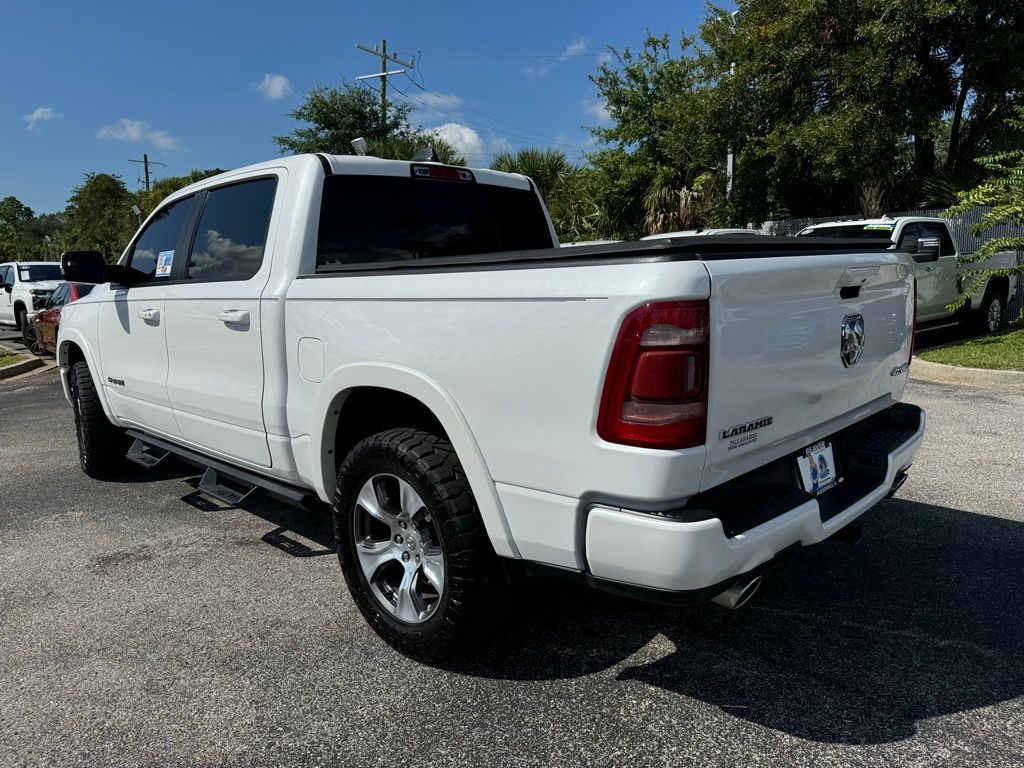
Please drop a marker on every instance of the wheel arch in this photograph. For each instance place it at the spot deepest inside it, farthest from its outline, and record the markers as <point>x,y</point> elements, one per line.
<point>999,283</point>
<point>19,307</point>
<point>421,398</point>
<point>73,348</point>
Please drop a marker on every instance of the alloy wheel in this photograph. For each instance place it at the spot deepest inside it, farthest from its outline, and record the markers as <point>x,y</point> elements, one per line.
<point>398,548</point>
<point>995,315</point>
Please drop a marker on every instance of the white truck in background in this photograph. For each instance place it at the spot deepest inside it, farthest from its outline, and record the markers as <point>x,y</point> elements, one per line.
<point>405,341</point>
<point>938,269</point>
<point>26,287</point>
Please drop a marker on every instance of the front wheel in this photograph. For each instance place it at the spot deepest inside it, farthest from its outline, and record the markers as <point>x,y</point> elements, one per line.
<point>101,445</point>
<point>411,543</point>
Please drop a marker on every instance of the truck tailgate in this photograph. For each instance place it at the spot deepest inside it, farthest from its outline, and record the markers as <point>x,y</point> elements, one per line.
<point>777,379</point>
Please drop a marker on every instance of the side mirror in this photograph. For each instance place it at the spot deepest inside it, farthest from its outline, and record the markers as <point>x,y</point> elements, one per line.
<point>84,267</point>
<point>927,249</point>
<point>8,287</point>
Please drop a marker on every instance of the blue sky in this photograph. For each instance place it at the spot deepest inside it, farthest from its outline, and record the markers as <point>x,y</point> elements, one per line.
<point>199,85</point>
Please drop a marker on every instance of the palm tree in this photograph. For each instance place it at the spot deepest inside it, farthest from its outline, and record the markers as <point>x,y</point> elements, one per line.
<point>545,166</point>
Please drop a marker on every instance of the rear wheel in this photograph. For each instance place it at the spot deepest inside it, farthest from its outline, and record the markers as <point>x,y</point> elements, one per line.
<point>990,315</point>
<point>30,338</point>
<point>411,543</point>
<point>101,445</point>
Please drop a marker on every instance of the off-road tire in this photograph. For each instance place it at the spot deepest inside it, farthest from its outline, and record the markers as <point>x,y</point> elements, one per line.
<point>983,321</point>
<point>101,445</point>
<point>431,466</point>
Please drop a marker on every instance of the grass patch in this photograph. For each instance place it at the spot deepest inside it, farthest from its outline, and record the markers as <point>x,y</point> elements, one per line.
<point>9,358</point>
<point>1004,351</point>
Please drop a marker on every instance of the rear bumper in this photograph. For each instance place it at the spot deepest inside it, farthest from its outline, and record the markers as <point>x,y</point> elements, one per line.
<point>738,528</point>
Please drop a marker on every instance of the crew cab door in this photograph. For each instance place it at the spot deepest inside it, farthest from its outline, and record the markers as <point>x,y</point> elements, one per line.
<point>133,350</point>
<point>214,344</point>
<point>944,269</point>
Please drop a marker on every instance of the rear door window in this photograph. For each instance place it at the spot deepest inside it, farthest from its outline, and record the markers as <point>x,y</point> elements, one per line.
<point>377,219</point>
<point>232,233</point>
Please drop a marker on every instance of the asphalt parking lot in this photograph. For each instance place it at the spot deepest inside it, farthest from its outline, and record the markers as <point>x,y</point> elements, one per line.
<point>143,625</point>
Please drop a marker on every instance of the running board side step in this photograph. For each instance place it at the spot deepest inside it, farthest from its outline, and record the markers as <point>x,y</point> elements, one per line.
<point>223,481</point>
<point>213,485</point>
<point>144,455</point>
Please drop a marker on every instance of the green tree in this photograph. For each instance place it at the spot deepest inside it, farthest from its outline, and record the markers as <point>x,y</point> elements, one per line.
<point>335,116</point>
<point>659,136</point>
<point>570,191</point>
<point>826,106</point>
<point>547,167</point>
<point>1002,192</point>
<point>100,216</point>
<point>404,146</point>
<point>15,219</point>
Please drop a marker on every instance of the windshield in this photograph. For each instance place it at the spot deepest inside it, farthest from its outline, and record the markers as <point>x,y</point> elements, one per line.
<point>29,273</point>
<point>852,231</point>
<point>372,219</point>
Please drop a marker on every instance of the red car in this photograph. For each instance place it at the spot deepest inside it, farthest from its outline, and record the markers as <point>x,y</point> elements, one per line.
<point>41,333</point>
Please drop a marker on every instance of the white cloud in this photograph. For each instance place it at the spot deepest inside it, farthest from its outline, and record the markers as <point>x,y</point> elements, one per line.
<point>464,139</point>
<point>598,109</point>
<point>500,144</point>
<point>477,149</point>
<point>40,115</point>
<point>273,87</point>
<point>604,58</point>
<point>575,48</point>
<point>135,131</point>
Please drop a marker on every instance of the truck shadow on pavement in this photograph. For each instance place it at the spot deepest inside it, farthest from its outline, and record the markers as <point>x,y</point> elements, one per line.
<point>849,645</point>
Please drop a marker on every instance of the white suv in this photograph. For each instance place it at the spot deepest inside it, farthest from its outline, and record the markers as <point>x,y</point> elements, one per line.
<point>26,287</point>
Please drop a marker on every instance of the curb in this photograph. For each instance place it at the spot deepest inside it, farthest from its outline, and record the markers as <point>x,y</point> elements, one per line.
<point>923,370</point>
<point>16,369</point>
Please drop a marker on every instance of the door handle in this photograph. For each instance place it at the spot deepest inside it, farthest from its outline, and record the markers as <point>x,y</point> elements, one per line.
<point>150,315</point>
<point>929,269</point>
<point>234,316</point>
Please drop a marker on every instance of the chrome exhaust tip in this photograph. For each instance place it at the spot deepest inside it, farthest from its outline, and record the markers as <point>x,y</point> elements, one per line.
<point>738,594</point>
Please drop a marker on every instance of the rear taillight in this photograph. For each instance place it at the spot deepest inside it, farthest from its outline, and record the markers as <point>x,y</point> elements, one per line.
<point>655,392</point>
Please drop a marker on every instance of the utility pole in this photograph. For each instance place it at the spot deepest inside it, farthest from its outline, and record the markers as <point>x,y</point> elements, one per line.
<point>381,51</point>
<point>145,165</point>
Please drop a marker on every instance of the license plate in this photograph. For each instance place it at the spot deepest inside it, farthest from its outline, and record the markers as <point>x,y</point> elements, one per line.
<point>817,468</point>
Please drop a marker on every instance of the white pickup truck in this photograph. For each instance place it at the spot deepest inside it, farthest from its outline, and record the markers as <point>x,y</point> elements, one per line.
<point>26,287</point>
<point>938,268</point>
<point>405,341</point>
